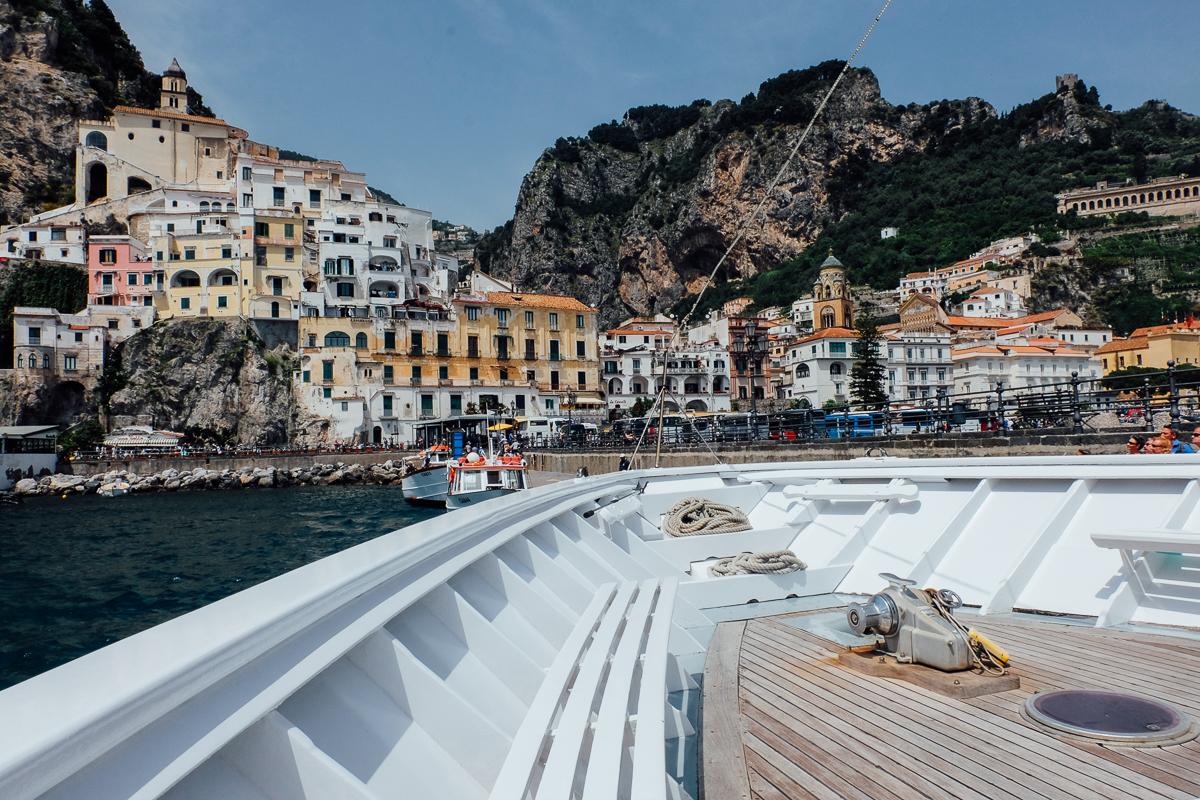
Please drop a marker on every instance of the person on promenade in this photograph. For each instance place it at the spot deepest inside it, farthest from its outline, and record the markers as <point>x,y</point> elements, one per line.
<point>624,465</point>
<point>1175,445</point>
<point>1135,445</point>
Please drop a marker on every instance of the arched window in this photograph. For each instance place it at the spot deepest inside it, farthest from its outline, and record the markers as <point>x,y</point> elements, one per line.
<point>274,310</point>
<point>45,361</point>
<point>1124,201</point>
<point>1108,203</point>
<point>20,360</point>
<point>360,341</point>
<point>835,369</point>
<point>827,318</point>
<point>802,371</point>
<point>1074,206</point>
<point>96,139</point>
<point>229,207</point>
<point>1185,191</point>
<point>337,339</point>
<point>203,206</point>
<point>1160,197</point>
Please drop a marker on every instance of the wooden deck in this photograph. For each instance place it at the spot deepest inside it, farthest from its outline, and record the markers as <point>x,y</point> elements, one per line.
<point>781,719</point>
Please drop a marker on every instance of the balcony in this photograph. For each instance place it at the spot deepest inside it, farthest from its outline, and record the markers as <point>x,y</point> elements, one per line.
<point>530,355</point>
<point>472,352</point>
<point>414,381</point>
<point>442,352</point>
<point>556,357</point>
<point>416,350</point>
<point>502,357</point>
<point>554,328</point>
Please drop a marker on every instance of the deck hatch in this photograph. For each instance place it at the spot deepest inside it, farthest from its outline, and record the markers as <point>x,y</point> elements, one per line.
<point>1111,716</point>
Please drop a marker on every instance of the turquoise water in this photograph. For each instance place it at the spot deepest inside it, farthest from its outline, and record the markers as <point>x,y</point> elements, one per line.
<point>80,573</point>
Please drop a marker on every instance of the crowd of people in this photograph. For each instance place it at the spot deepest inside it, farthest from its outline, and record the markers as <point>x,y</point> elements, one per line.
<point>1172,439</point>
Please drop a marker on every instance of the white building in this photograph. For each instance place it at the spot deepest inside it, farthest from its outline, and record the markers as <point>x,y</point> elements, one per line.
<point>802,313</point>
<point>995,303</point>
<point>820,366</point>
<point>978,369</point>
<point>918,364</point>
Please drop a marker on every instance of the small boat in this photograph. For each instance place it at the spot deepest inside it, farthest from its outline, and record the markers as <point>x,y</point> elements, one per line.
<point>427,483</point>
<point>473,482</point>
<point>113,489</point>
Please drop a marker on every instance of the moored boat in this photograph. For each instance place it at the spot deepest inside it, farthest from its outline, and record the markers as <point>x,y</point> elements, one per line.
<point>113,489</point>
<point>473,482</point>
<point>427,482</point>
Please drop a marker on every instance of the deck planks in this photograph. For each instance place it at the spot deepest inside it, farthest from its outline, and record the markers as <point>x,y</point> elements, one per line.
<point>809,728</point>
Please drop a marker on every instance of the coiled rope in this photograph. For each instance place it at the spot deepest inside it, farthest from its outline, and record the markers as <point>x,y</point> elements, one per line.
<point>695,516</point>
<point>777,562</point>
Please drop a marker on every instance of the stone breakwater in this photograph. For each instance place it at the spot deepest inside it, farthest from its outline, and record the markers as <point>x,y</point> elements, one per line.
<point>200,479</point>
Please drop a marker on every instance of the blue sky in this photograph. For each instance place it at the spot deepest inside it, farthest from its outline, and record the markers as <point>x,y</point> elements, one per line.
<point>447,104</point>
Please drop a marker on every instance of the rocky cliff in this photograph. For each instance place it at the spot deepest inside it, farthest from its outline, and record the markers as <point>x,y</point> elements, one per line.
<point>60,61</point>
<point>635,216</point>
<point>211,373</point>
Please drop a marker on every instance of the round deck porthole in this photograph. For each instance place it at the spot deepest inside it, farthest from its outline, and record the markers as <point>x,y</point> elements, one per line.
<point>1110,716</point>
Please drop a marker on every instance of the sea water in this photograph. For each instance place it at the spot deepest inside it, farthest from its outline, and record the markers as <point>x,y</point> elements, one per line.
<point>79,573</point>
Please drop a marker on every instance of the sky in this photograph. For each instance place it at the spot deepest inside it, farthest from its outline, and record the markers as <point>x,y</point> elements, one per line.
<point>446,105</point>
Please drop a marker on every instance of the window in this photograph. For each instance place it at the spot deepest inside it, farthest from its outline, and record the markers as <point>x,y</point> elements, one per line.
<point>555,355</point>
<point>45,361</point>
<point>96,139</point>
<point>529,319</point>
<point>346,197</point>
<point>185,127</point>
<point>189,254</point>
<point>277,287</point>
<point>289,230</point>
<point>835,369</point>
<point>108,256</point>
<point>389,241</point>
<point>337,339</point>
<point>131,279</point>
<point>387,405</point>
<point>314,198</point>
<point>443,373</point>
<point>579,320</point>
<point>912,376</point>
<point>185,303</point>
<point>21,360</point>
<point>69,362</point>
<point>220,174</point>
<point>472,313</point>
<point>581,349</point>
<point>326,393</point>
<point>416,372</point>
<point>58,234</point>
<point>306,376</point>
<point>802,371</point>
<point>158,255</point>
<point>581,379</point>
<point>360,340</point>
<point>837,348</point>
<point>289,254</point>
<point>33,236</point>
<point>389,340</point>
<point>502,317</point>
<point>247,200</point>
<point>345,290</point>
<point>389,373</point>
<point>78,336</point>
<point>262,229</point>
<point>247,173</point>
<point>416,340</point>
<point>553,321</point>
<point>327,369</point>
<point>274,310</point>
<point>474,373</point>
<point>277,195</point>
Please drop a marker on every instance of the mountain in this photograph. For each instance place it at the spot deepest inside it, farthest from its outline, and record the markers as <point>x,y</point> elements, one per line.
<point>633,217</point>
<point>60,61</point>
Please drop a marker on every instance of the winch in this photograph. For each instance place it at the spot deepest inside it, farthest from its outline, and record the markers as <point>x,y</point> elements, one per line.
<point>917,626</point>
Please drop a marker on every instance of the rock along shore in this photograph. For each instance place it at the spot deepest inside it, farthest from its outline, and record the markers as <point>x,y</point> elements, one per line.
<point>171,480</point>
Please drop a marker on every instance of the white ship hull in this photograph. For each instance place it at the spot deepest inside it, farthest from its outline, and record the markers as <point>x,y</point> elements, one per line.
<point>549,644</point>
<point>426,486</point>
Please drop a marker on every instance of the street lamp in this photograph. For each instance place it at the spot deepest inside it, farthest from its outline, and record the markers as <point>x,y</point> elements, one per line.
<point>755,351</point>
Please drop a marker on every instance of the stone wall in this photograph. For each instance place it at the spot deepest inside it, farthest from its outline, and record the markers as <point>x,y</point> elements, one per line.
<point>598,462</point>
<point>151,466</point>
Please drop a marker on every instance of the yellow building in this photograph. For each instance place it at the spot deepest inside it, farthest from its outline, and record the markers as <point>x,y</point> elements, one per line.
<point>203,274</point>
<point>370,378</point>
<point>1153,347</point>
<point>273,271</point>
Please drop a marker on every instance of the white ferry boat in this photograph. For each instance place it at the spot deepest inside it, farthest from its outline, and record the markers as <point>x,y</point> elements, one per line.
<point>473,482</point>
<point>427,482</point>
<point>558,644</point>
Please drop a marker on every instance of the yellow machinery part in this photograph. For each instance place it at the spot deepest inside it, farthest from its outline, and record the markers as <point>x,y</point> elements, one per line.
<point>999,653</point>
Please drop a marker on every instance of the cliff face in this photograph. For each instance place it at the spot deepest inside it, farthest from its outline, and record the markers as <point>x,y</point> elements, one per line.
<point>632,222</point>
<point>215,374</point>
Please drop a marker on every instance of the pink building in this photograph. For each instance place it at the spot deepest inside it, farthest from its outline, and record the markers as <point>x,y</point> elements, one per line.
<point>121,272</point>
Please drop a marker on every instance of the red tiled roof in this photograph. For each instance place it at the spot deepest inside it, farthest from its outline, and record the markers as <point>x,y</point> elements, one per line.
<point>146,112</point>
<point>1121,345</point>
<point>830,333</point>
<point>523,299</point>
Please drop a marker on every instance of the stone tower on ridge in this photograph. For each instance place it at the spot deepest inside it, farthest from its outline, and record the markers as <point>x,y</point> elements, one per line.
<point>174,89</point>
<point>832,306</point>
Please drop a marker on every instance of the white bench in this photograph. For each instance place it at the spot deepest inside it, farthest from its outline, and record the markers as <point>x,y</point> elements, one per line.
<point>1157,541</point>
<point>588,733</point>
<point>1124,603</point>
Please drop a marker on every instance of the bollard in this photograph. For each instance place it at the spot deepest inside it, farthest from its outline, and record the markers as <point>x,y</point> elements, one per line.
<point>1147,412</point>
<point>1078,415</point>
<point>999,408</point>
<point>1172,392</point>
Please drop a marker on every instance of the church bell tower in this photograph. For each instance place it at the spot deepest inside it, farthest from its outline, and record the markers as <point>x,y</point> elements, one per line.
<point>832,306</point>
<point>174,89</point>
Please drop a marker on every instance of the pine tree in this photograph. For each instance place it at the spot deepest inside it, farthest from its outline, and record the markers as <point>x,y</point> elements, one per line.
<point>866,376</point>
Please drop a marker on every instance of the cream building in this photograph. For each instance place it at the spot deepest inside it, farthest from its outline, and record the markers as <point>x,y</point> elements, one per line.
<point>1177,196</point>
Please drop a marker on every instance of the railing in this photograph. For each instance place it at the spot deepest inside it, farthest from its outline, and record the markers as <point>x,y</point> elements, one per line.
<point>530,355</point>
<point>555,357</point>
<point>502,357</point>
<point>443,352</point>
<point>414,381</point>
<point>416,350</point>
<point>472,352</point>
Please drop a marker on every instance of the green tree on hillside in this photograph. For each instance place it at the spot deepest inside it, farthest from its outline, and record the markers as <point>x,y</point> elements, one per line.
<point>866,376</point>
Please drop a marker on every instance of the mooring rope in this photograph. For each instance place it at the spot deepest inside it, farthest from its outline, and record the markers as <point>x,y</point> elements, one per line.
<point>776,562</point>
<point>695,516</point>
